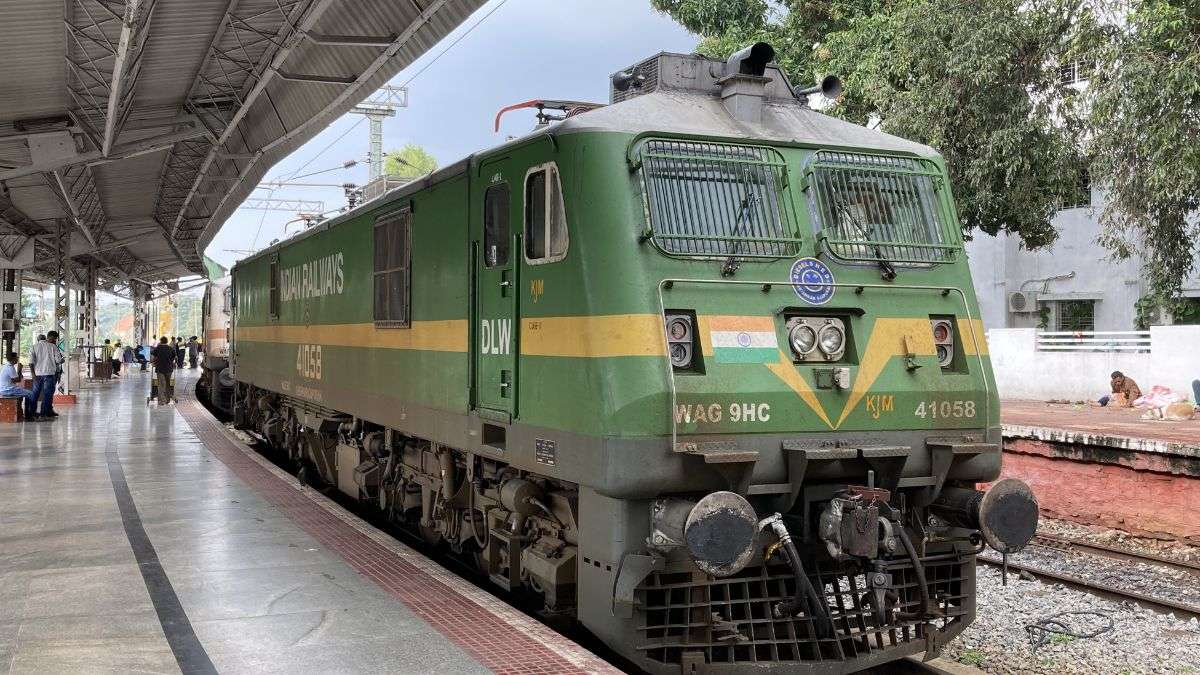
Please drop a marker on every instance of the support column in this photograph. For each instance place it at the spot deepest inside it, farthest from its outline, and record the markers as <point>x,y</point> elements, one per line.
<point>10,311</point>
<point>137,291</point>
<point>62,299</point>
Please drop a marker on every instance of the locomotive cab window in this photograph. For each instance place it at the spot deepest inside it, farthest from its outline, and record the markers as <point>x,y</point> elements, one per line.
<point>393,256</point>
<point>715,200</point>
<point>495,226</point>
<point>872,208</point>
<point>545,216</point>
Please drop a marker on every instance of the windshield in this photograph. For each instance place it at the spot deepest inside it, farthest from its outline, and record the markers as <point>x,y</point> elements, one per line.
<point>713,199</point>
<point>869,207</point>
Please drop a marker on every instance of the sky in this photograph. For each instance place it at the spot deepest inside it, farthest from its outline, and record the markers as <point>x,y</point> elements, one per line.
<point>526,49</point>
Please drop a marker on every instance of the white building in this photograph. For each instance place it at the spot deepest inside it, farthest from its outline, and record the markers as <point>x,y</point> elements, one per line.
<point>1073,285</point>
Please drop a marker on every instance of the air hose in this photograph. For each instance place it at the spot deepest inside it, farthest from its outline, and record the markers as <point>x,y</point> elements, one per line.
<point>806,600</point>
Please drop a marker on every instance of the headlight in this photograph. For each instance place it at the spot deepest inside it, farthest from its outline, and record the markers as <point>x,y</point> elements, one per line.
<point>803,339</point>
<point>832,339</point>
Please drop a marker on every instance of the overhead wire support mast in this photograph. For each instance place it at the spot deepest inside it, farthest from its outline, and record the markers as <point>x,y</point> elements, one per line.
<point>381,105</point>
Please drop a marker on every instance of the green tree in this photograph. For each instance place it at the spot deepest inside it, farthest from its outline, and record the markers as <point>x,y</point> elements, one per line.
<point>1145,147</point>
<point>978,80</point>
<point>410,161</point>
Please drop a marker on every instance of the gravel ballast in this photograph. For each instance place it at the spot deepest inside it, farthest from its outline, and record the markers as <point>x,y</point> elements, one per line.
<point>1141,640</point>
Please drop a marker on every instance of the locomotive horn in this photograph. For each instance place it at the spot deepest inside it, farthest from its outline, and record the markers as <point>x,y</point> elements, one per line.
<point>1006,515</point>
<point>830,87</point>
<point>625,79</point>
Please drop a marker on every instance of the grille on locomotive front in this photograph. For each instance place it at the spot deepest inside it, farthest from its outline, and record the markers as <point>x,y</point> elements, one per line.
<point>730,619</point>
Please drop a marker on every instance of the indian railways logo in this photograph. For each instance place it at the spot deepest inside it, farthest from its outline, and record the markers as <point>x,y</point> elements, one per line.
<point>812,281</point>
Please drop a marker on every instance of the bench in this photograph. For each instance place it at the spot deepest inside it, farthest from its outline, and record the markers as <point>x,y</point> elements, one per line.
<point>12,409</point>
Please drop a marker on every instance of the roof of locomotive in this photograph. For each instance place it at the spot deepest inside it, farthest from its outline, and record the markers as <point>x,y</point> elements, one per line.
<point>692,106</point>
<point>692,111</point>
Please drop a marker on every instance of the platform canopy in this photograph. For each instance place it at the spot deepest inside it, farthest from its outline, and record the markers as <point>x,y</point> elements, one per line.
<point>133,128</point>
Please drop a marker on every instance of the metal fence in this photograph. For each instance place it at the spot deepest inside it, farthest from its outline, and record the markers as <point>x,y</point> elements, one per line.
<point>1135,341</point>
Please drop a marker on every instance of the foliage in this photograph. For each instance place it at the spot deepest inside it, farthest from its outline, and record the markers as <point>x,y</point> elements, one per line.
<point>976,80</point>
<point>410,161</point>
<point>1146,117</point>
<point>972,657</point>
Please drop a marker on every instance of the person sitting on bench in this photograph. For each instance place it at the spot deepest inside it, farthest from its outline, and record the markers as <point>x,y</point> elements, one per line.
<point>10,383</point>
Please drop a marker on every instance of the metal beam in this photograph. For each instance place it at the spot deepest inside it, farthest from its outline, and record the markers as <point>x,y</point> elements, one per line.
<point>351,90</point>
<point>350,40</point>
<point>96,157</point>
<point>313,79</point>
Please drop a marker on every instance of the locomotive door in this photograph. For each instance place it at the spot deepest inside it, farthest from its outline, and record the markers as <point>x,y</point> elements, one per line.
<point>495,297</point>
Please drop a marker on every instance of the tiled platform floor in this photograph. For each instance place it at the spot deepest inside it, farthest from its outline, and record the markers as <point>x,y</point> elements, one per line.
<point>238,570</point>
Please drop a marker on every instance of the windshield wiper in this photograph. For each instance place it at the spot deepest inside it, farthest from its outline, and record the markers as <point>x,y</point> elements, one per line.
<point>886,269</point>
<point>731,263</point>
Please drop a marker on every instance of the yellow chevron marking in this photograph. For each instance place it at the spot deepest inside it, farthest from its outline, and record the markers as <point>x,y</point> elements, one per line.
<point>786,371</point>
<point>974,337</point>
<point>889,338</point>
<point>435,336</point>
<point>593,336</point>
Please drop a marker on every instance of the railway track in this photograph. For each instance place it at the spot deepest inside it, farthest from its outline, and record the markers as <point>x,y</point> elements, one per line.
<point>1109,591</point>
<point>1105,551</point>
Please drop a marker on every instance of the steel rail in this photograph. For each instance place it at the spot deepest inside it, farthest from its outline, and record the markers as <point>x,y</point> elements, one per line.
<point>1092,548</point>
<point>1162,605</point>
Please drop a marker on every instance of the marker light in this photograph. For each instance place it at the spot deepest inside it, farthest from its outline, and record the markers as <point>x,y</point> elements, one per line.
<point>832,339</point>
<point>803,339</point>
<point>680,342</point>
<point>679,329</point>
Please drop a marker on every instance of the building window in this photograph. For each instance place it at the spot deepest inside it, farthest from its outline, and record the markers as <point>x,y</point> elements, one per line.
<point>393,255</point>
<point>273,296</point>
<point>545,217</point>
<point>495,226</point>
<point>1075,72</point>
<point>1076,316</point>
<point>1081,195</point>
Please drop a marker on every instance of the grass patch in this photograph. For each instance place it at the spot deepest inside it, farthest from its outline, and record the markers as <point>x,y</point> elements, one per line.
<point>972,657</point>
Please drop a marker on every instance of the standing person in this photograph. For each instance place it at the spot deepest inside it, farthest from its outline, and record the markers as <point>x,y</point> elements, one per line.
<point>180,352</point>
<point>106,355</point>
<point>10,384</point>
<point>163,358</point>
<point>45,363</point>
<point>193,351</point>
<point>116,359</point>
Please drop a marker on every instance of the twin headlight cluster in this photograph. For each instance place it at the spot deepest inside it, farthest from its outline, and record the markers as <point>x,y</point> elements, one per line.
<point>816,338</point>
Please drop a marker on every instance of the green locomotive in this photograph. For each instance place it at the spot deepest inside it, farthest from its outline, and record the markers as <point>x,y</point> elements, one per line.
<point>702,367</point>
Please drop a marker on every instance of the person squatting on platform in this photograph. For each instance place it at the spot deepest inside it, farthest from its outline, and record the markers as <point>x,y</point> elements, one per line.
<point>45,362</point>
<point>10,383</point>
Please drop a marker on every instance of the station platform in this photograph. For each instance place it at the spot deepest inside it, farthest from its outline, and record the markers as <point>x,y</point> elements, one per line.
<point>148,539</point>
<point>1107,466</point>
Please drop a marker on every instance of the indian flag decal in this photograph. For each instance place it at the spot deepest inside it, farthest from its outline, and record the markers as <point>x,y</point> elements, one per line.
<point>743,339</point>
